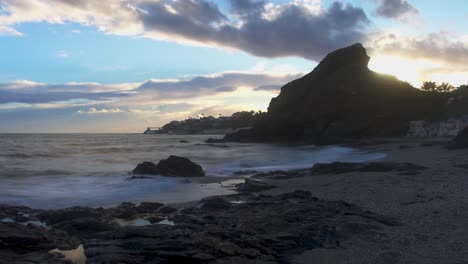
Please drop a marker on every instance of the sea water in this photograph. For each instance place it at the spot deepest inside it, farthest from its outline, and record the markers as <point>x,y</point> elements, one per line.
<point>62,170</point>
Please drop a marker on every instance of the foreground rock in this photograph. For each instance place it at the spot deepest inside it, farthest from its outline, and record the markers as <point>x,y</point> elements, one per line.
<point>173,166</point>
<point>460,141</point>
<point>250,185</point>
<point>225,229</point>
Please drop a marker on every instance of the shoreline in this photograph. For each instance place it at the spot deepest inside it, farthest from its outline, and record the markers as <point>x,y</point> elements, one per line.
<point>431,205</point>
<point>428,207</point>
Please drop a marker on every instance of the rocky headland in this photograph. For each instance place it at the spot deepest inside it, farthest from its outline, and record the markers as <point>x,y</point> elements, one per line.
<point>341,100</point>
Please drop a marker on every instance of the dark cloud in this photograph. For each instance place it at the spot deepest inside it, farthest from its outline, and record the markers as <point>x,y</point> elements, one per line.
<point>395,8</point>
<point>49,97</point>
<point>202,85</point>
<point>36,93</point>
<point>269,87</point>
<point>247,7</point>
<point>294,28</point>
<point>292,31</point>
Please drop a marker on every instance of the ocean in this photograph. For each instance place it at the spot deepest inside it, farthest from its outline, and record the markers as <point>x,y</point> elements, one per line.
<point>62,170</point>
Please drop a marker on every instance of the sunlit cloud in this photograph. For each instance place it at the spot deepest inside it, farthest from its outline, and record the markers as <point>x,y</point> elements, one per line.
<point>94,111</point>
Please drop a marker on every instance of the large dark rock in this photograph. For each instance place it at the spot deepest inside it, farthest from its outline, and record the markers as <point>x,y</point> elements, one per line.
<point>172,166</point>
<point>341,99</point>
<point>460,141</point>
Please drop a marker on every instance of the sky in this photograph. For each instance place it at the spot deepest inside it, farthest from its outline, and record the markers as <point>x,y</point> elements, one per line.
<point>123,65</point>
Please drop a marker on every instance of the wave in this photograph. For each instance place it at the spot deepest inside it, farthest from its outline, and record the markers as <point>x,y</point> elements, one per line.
<point>21,155</point>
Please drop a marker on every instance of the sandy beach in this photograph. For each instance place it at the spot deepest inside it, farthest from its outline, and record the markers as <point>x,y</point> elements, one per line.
<point>431,206</point>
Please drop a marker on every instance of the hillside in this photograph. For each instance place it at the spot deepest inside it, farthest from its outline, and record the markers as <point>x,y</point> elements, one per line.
<point>213,125</point>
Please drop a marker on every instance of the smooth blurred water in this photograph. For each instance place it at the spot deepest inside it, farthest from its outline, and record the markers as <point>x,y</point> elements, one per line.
<point>59,170</point>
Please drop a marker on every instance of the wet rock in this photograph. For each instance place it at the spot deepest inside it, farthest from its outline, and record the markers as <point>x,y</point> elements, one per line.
<point>460,141</point>
<point>85,227</point>
<point>215,140</point>
<point>146,167</point>
<point>172,166</point>
<point>56,216</point>
<point>262,229</point>
<point>344,167</point>
<point>30,244</point>
<point>253,186</point>
<point>203,256</point>
<point>149,207</point>
<point>215,203</point>
<point>167,210</point>
<point>139,177</point>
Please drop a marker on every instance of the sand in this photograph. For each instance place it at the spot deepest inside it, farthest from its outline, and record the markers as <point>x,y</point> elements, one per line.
<point>432,207</point>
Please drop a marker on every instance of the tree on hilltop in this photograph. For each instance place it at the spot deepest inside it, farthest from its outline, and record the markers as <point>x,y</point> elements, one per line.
<point>444,87</point>
<point>429,86</point>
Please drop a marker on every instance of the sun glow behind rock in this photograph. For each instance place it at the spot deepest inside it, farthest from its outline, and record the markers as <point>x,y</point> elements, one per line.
<point>408,70</point>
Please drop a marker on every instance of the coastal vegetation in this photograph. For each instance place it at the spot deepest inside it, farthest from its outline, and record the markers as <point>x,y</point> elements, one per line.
<point>205,124</point>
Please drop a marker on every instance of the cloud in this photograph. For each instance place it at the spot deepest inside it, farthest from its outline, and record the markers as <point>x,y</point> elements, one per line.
<point>395,8</point>
<point>210,85</point>
<point>9,31</point>
<point>283,30</point>
<point>93,111</point>
<point>440,47</point>
<point>94,107</point>
<point>268,87</point>
<point>297,28</point>
<point>27,92</point>
<point>62,54</point>
<point>247,7</point>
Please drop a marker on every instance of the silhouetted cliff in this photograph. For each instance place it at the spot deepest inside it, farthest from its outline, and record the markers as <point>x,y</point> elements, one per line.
<point>342,99</point>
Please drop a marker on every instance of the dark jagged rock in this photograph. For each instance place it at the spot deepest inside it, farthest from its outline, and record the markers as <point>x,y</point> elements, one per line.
<point>344,167</point>
<point>261,229</point>
<point>20,243</point>
<point>146,167</point>
<point>460,141</point>
<point>340,100</point>
<point>173,166</point>
<point>253,186</point>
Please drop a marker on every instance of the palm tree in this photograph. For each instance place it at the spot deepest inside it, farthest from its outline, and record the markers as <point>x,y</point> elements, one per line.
<point>429,86</point>
<point>444,87</point>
